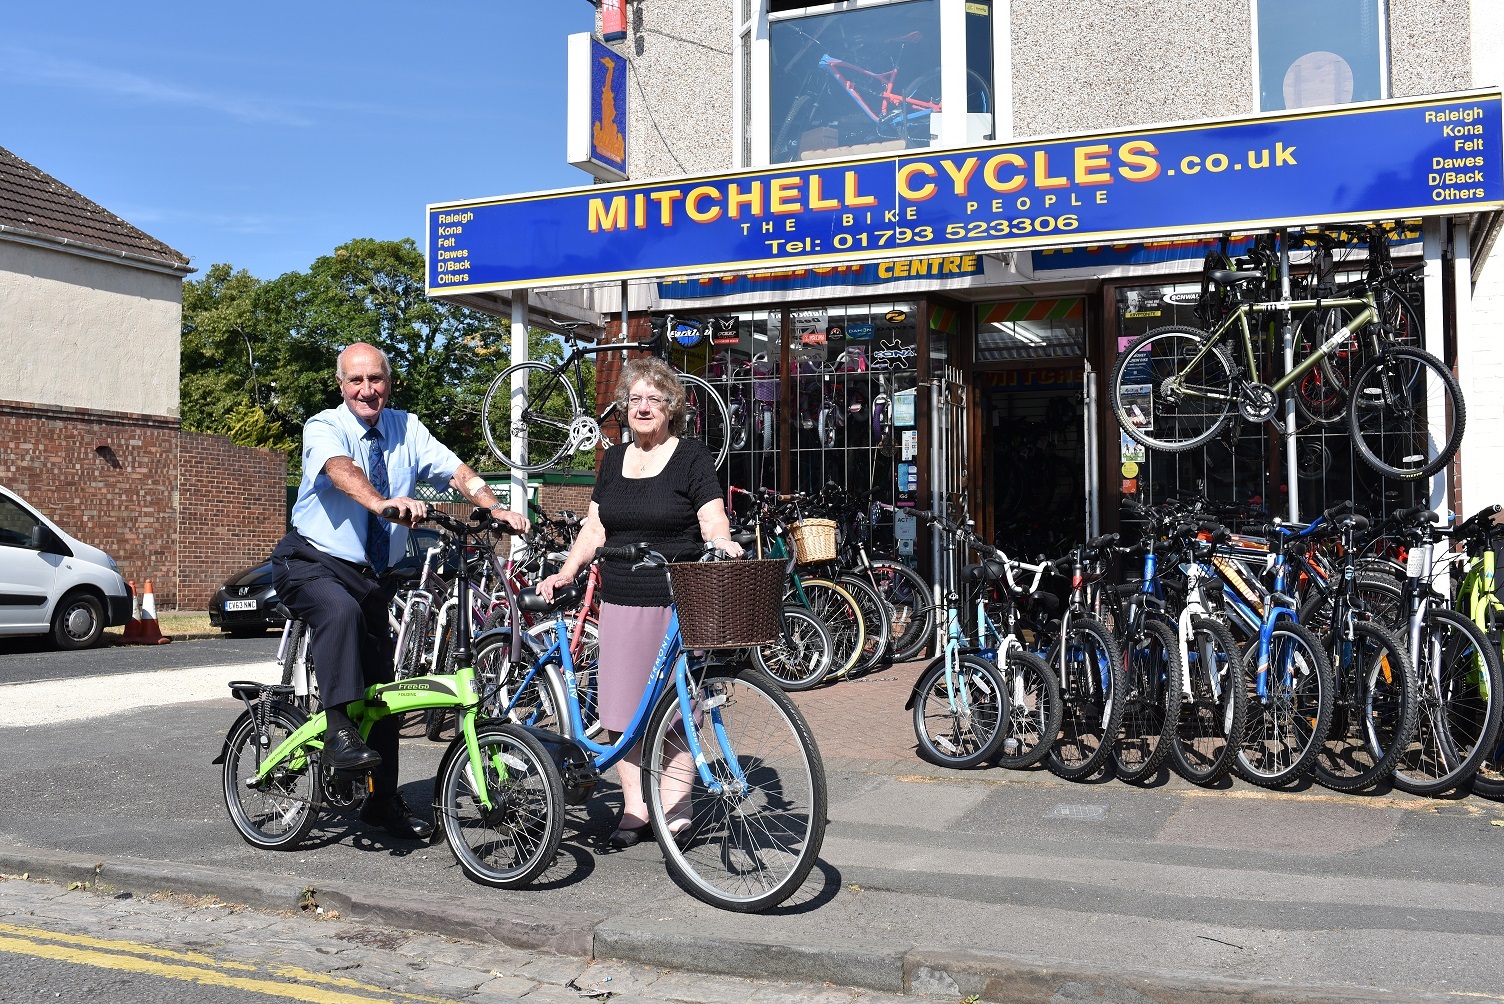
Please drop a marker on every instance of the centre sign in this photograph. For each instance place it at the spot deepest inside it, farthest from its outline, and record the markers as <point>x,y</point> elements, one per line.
<point>1438,155</point>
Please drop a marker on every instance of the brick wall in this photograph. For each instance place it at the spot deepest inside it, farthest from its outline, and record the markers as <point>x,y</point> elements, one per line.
<point>232,510</point>
<point>157,499</point>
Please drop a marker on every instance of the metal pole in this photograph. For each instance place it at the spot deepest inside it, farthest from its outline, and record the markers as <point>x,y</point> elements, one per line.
<point>1089,448</point>
<point>937,504</point>
<point>517,495</point>
<point>1292,467</point>
<point>624,315</point>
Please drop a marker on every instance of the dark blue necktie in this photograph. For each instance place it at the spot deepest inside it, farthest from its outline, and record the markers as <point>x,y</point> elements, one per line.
<point>378,540</point>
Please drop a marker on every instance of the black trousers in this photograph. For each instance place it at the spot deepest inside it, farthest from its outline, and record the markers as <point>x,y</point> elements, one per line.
<point>345,609</point>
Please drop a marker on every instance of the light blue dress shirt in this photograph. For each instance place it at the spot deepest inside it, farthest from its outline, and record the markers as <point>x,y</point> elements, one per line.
<point>332,521</point>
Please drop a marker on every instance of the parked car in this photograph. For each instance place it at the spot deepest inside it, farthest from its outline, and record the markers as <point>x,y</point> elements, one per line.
<point>54,583</point>
<point>247,603</point>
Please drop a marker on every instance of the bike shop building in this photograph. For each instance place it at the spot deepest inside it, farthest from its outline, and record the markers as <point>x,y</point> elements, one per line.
<point>929,303</point>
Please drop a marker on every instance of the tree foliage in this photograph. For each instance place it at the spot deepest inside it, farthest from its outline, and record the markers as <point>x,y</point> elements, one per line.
<point>258,357</point>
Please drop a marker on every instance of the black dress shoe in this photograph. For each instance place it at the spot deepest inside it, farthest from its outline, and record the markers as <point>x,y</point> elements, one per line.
<point>629,836</point>
<point>347,754</point>
<point>393,815</point>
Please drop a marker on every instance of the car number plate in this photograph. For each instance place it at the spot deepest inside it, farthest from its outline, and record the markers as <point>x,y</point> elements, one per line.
<point>240,605</point>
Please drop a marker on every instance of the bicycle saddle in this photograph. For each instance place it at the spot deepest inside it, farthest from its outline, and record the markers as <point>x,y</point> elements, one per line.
<point>988,571</point>
<point>1048,603</point>
<point>529,600</point>
<point>1227,277</point>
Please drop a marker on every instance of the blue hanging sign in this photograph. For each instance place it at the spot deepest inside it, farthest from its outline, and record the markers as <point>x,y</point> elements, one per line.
<point>1439,155</point>
<point>596,126</point>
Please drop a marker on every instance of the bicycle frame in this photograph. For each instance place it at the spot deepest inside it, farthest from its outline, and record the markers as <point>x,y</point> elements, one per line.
<point>672,663</point>
<point>836,67</point>
<point>1240,315</point>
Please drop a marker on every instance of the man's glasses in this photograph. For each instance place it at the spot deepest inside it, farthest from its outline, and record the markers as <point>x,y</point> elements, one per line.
<point>652,401</point>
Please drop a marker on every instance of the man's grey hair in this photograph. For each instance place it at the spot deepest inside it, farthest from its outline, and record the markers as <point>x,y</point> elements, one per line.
<point>339,362</point>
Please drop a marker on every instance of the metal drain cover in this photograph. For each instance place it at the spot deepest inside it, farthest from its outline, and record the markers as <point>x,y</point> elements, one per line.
<point>1088,813</point>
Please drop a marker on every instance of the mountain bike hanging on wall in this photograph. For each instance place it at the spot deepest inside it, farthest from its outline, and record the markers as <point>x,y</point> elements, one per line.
<point>1177,387</point>
<point>560,423</point>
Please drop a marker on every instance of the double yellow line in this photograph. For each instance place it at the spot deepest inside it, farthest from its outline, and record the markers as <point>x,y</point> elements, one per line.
<point>291,982</point>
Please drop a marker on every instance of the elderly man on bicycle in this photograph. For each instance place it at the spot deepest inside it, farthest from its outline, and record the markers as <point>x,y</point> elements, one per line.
<point>359,460</point>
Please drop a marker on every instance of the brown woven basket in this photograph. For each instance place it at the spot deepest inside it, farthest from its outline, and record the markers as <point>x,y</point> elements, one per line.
<point>814,540</point>
<point>728,604</point>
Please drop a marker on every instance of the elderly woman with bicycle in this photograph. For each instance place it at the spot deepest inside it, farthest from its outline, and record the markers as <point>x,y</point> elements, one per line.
<point>660,488</point>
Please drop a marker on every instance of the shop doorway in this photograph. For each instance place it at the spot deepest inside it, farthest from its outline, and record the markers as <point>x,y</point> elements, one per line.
<point>1031,400</point>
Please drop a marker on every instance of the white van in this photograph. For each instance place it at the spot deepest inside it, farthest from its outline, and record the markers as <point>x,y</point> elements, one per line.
<point>51,583</point>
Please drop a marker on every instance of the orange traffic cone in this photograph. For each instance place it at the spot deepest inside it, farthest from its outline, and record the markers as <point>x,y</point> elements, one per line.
<point>151,634</point>
<point>133,626</point>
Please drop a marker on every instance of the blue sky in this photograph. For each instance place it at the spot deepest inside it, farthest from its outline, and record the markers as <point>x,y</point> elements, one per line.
<point>265,134</point>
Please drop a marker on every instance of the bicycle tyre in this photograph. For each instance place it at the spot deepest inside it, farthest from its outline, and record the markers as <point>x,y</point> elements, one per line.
<point>1209,726</point>
<point>546,419</point>
<point>1387,413</point>
<point>706,418</point>
<point>1136,368</point>
<point>843,618</point>
<point>1285,731</point>
<point>1375,712</point>
<point>966,731</point>
<point>1321,394</point>
<point>736,418</point>
<point>277,815</point>
<point>411,655</point>
<point>1152,670</point>
<point>1489,780</point>
<point>1034,710</point>
<point>1090,669</point>
<point>801,656</point>
<point>750,846</point>
<point>519,836</point>
<point>876,621</point>
<point>586,665</point>
<point>911,607</point>
<point>1461,688</point>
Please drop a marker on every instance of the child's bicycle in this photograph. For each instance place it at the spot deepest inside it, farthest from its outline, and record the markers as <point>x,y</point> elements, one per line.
<point>498,795</point>
<point>738,800</point>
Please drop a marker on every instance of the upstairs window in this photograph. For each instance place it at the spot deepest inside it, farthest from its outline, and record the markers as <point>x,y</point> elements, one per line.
<point>1312,53</point>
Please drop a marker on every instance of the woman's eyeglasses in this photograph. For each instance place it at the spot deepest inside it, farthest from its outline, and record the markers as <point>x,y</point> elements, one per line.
<point>652,401</point>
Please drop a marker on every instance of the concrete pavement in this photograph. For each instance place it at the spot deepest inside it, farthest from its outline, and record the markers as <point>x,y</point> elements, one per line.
<point>1014,886</point>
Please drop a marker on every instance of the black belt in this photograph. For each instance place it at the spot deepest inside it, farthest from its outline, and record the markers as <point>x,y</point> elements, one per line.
<point>363,567</point>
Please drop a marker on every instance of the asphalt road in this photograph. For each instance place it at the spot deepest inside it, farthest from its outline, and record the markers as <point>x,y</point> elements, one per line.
<point>1305,886</point>
<point>27,660</point>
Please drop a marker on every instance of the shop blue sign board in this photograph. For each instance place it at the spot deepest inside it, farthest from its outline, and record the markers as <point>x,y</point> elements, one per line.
<point>1439,155</point>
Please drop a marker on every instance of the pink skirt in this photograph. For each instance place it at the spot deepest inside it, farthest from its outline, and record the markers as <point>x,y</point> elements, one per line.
<point>630,640</point>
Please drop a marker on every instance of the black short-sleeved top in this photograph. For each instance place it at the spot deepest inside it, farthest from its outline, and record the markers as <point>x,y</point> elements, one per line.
<point>659,511</point>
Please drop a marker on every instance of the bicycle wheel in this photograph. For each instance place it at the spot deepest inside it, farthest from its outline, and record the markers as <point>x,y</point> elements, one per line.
<point>297,669</point>
<point>746,841</point>
<point>542,429</point>
<point>1176,418</point>
<point>1209,723</point>
<point>509,844</point>
<point>705,417</point>
<point>1034,710</point>
<point>738,425</point>
<point>586,663</point>
<point>839,610</point>
<point>1375,711</point>
<point>1150,701</point>
<point>801,656</point>
<point>961,717</point>
<point>277,813</point>
<point>1489,781</point>
<point>1458,678</point>
<point>1091,677</point>
<point>827,427</point>
<point>1321,395</point>
<point>911,607</point>
<point>1286,728</point>
<point>876,620</point>
<point>1406,414</point>
<point>414,645</point>
<point>507,693</point>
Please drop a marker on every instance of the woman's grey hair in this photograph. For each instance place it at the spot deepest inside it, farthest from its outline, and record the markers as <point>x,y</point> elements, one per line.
<point>662,378</point>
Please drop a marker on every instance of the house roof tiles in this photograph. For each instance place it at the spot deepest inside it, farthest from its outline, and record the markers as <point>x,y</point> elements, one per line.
<point>34,201</point>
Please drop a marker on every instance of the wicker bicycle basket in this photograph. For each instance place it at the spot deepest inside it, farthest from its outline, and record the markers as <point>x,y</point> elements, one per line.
<point>728,604</point>
<point>814,540</point>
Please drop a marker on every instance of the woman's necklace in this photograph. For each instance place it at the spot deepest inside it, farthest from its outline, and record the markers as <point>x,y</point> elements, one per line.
<point>643,460</point>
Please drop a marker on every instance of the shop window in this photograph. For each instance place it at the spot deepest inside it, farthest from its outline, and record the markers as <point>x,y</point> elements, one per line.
<point>854,81</point>
<point>1246,463</point>
<point>1031,329</point>
<point>1326,53</point>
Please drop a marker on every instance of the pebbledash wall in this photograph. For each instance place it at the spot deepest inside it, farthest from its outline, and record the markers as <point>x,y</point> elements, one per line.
<point>180,508</point>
